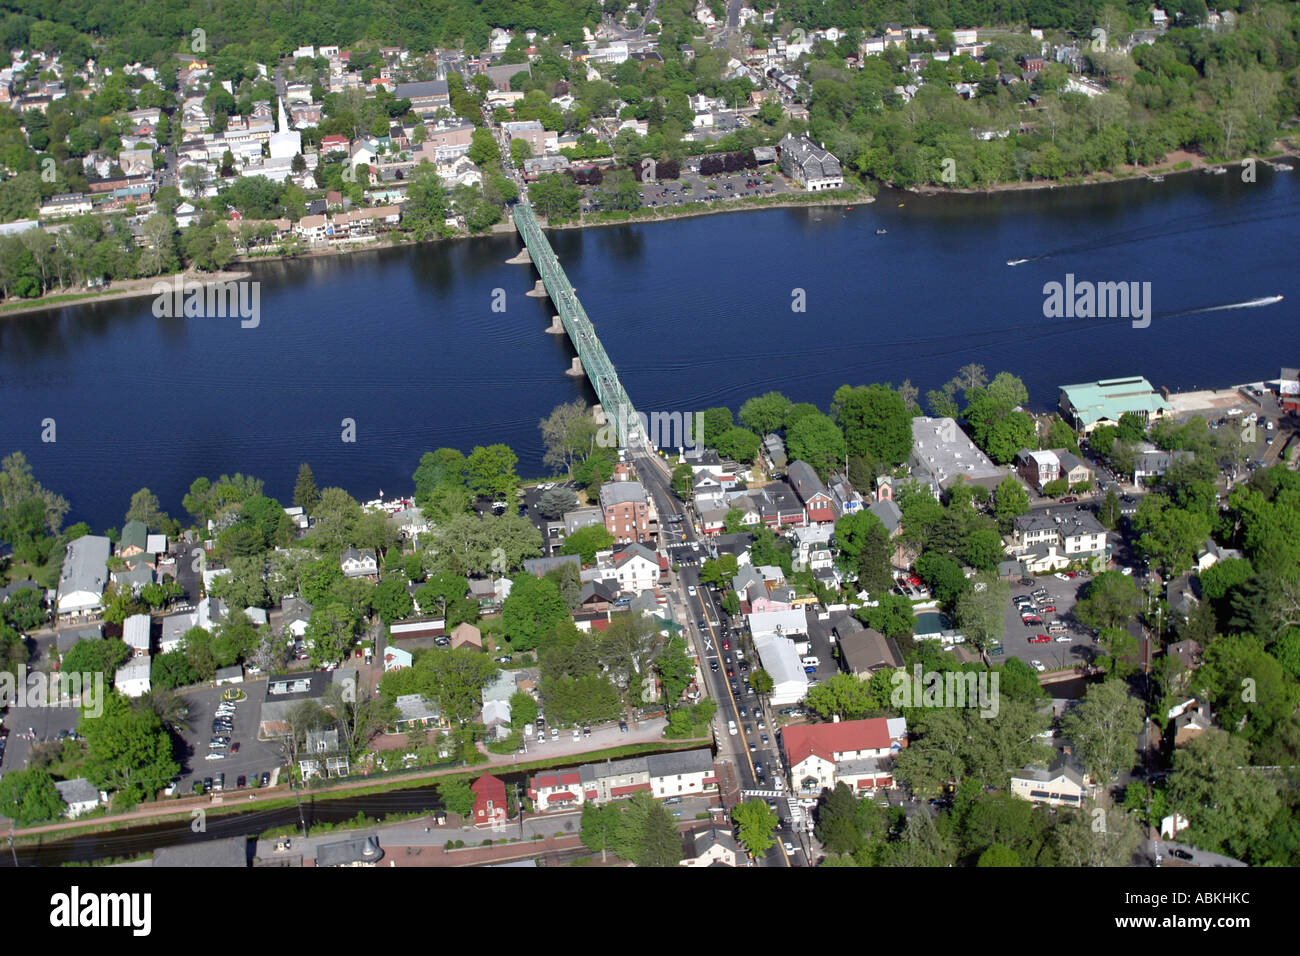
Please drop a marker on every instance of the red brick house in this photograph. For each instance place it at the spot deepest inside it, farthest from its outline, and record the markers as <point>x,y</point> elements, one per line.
<point>489,801</point>
<point>626,511</point>
<point>818,505</point>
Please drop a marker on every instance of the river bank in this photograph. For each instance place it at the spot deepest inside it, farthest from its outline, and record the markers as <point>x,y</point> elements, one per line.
<point>1179,161</point>
<point>125,289</point>
<point>750,204</point>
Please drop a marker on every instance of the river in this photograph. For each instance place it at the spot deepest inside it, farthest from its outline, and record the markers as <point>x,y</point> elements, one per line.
<point>694,312</point>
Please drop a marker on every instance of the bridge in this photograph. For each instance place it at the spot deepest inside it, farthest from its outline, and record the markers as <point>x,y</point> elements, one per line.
<point>592,360</point>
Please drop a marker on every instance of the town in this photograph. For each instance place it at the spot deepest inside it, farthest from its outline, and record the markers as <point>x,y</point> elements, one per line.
<point>693,656</point>
<point>222,154</point>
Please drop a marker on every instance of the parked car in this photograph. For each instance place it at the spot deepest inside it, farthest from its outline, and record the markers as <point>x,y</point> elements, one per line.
<point>622,726</point>
<point>1039,639</point>
<point>1064,639</point>
<point>1038,666</point>
<point>241,782</point>
<point>266,779</point>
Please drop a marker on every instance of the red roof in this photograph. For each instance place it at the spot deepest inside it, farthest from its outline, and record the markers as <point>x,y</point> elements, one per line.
<point>826,740</point>
<point>631,788</point>
<point>560,795</point>
<point>488,787</point>
<point>544,780</point>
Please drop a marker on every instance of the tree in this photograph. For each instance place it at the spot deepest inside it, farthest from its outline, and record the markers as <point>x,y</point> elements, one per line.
<point>305,493</point>
<point>676,670</point>
<point>1111,600</point>
<point>1010,501</point>
<point>764,413</point>
<point>555,196</point>
<point>865,548</point>
<point>892,617</point>
<point>1056,488</point>
<point>761,681</point>
<point>523,709</point>
<point>391,600</point>
<point>979,612</point>
<point>876,421</point>
<point>943,575</point>
<point>484,151</point>
<point>845,696</point>
<point>598,827</point>
<point>569,433</point>
<point>29,797</point>
<point>330,634</point>
<point>1119,647</point>
<point>490,470</point>
<point>1104,728</point>
<point>520,150</point>
<point>555,502</point>
<point>1227,804</point>
<point>586,541</point>
<point>457,796</point>
<point>145,508</point>
<point>817,440</point>
<point>127,750</point>
<point>839,827</point>
<point>425,211</point>
<point>739,444</point>
<point>98,656</point>
<point>1109,511</point>
<point>719,571</point>
<point>1090,839</point>
<point>532,609</point>
<point>682,479</point>
<point>755,823</point>
<point>999,855</point>
<point>17,485</point>
<point>1169,536</point>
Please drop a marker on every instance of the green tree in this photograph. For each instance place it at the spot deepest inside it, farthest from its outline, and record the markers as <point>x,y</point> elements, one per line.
<point>892,616</point>
<point>817,440</point>
<point>457,796</point>
<point>523,709</point>
<point>865,548</point>
<point>391,600</point>
<point>756,824</point>
<point>1010,501</point>
<point>29,797</point>
<point>1227,805</point>
<point>532,609</point>
<point>586,541</point>
<point>1104,728</point>
<point>719,571</point>
<point>764,413</point>
<point>1111,600</point>
<point>877,423</point>
<point>980,612</point>
<point>128,751</point>
<point>305,492</point>
<point>845,696</point>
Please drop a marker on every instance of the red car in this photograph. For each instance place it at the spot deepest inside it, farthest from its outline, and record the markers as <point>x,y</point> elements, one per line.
<point>1050,607</point>
<point>726,645</point>
<point>1040,639</point>
<point>916,582</point>
<point>1071,574</point>
<point>234,748</point>
<point>1032,621</point>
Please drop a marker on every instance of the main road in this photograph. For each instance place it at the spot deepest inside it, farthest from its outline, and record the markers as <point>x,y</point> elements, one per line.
<point>705,628</point>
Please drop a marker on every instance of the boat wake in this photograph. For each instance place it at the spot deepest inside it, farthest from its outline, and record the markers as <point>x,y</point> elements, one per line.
<point>1018,262</point>
<point>1248,304</point>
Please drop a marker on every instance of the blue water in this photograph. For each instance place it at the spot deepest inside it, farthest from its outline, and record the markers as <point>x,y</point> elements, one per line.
<point>694,313</point>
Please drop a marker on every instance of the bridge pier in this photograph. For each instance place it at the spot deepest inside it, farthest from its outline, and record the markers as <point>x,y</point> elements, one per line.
<point>576,369</point>
<point>538,290</point>
<point>521,259</point>
<point>556,327</point>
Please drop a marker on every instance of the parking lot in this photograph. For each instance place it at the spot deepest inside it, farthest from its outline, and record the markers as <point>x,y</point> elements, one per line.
<point>254,757</point>
<point>1054,654</point>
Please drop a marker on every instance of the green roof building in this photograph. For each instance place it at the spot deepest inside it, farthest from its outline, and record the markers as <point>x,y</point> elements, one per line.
<point>134,538</point>
<point>1099,403</point>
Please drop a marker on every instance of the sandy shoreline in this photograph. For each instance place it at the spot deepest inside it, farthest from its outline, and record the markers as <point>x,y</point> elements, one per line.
<point>126,289</point>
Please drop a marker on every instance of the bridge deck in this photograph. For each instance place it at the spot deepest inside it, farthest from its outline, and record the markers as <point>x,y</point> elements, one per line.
<point>599,369</point>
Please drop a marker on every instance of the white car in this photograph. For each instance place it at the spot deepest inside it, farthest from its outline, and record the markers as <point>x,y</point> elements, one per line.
<point>1038,666</point>
<point>215,756</point>
<point>1127,572</point>
<point>691,590</point>
<point>1061,575</point>
<point>731,728</point>
<point>1064,639</point>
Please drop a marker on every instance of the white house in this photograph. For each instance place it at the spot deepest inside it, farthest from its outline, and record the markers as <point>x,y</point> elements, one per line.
<point>135,632</point>
<point>85,572</point>
<point>634,568</point>
<point>80,795</point>
<point>781,661</point>
<point>132,678</point>
<point>357,563</point>
<point>858,753</point>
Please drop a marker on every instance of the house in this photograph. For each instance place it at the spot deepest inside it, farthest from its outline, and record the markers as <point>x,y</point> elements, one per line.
<point>465,634</point>
<point>712,847</point>
<point>844,497</point>
<point>132,678</point>
<point>134,539</point>
<point>858,753</point>
<point>683,773</point>
<point>1087,405</point>
<point>80,795</point>
<point>426,97</point>
<point>84,574</point>
<point>809,164</point>
<point>284,692</point>
<point>1153,463</point>
<point>580,518</point>
<point>812,547</point>
<point>1062,783</point>
<point>944,455</point>
<point>889,515</point>
<point>1037,467</point>
<point>1191,723</point>
<point>539,139</point>
<point>322,756</point>
<point>634,568</point>
<point>1212,554</point>
<point>359,563</point>
<point>395,658</point>
<point>135,632</point>
<point>234,674</point>
<point>1074,469</point>
<point>778,657</point>
<point>1043,541</point>
<point>778,505</point>
<point>415,711</point>
<point>817,502</point>
<point>495,717</point>
<point>864,651</point>
<point>626,510</point>
<point>781,623</point>
<point>357,851</point>
<point>1182,594</point>
<point>490,804</point>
